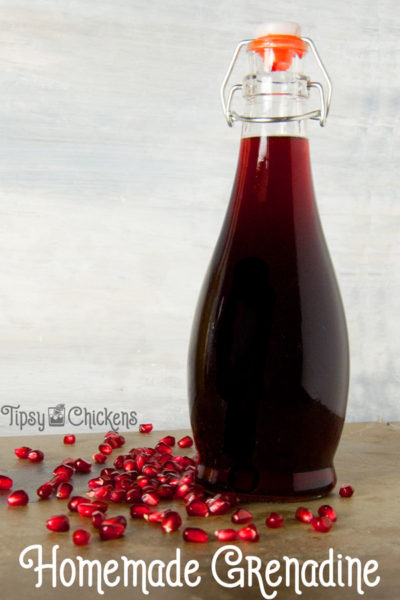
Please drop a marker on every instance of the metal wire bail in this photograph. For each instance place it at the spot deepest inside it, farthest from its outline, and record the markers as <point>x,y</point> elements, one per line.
<point>325,93</point>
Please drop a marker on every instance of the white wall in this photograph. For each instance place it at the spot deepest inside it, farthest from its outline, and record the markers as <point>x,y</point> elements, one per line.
<point>116,168</point>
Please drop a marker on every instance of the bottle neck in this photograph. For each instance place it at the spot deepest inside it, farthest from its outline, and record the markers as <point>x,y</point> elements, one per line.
<point>276,94</point>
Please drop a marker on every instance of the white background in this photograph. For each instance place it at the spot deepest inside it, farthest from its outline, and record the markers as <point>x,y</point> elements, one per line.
<point>116,168</point>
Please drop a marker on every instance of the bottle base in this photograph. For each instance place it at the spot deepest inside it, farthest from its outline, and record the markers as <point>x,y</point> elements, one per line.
<point>251,485</point>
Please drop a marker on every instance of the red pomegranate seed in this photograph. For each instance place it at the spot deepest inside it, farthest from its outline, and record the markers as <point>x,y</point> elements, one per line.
<point>129,465</point>
<point>18,498</point>
<point>111,531</point>
<point>150,499</point>
<point>242,516</point>
<point>219,507</point>
<point>6,483</point>
<point>64,491</point>
<point>274,521</point>
<point>142,481</point>
<point>36,456</point>
<point>304,515</point>
<point>45,490</point>
<point>22,452</point>
<point>149,471</point>
<point>163,448</point>
<point>85,509</point>
<point>58,523</point>
<point>103,493</point>
<point>120,519</point>
<point>112,441</point>
<point>82,466</point>
<point>97,518</point>
<point>105,449</point>
<point>103,506</point>
<point>69,439</point>
<point>197,508</point>
<point>81,537</point>
<point>165,491</point>
<point>327,511</point>
<point>249,533</point>
<point>346,491</point>
<point>133,495</point>
<point>99,458</point>
<point>64,470</point>
<point>120,440</point>
<point>169,440</point>
<point>171,522</point>
<point>107,472</point>
<point>195,534</point>
<point>182,490</point>
<point>185,442</point>
<point>69,462</point>
<point>118,496</point>
<point>226,535</point>
<point>146,428</point>
<point>321,524</point>
<point>138,511</point>
<point>75,501</point>
<point>155,517</point>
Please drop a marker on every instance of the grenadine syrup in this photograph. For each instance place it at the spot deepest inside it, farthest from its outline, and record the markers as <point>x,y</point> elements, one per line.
<point>268,361</point>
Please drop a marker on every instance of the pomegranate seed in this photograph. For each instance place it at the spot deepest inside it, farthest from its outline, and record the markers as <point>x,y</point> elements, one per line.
<point>346,491</point>
<point>133,495</point>
<point>75,501</point>
<point>163,448</point>
<point>107,472</point>
<point>81,537</point>
<point>185,442</point>
<point>149,471</point>
<point>105,449</point>
<point>97,518</point>
<point>85,509</point>
<point>165,491</point>
<point>195,534</point>
<point>321,524</point>
<point>119,461</point>
<point>99,458</point>
<point>197,508</point>
<point>112,441</point>
<point>138,511</point>
<point>226,535</point>
<point>64,470</point>
<point>169,440</point>
<point>118,496</point>
<point>82,466</point>
<point>120,440</point>
<point>274,521</point>
<point>249,533</point>
<point>182,490</point>
<point>58,479</point>
<point>111,531</point>
<point>22,452</point>
<point>64,491</point>
<point>36,456</point>
<point>69,462</point>
<point>103,506</point>
<point>171,522</point>
<point>96,482</point>
<point>129,465</point>
<point>150,499</point>
<point>155,517</point>
<point>58,523</point>
<point>103,493</point>
<point>45,490</point>
<point>6,483</point>
<point>120,519</point>
<point>146,428</point>
<point>69,439</point>
<point>304,515</point>
<point>327,511</point>
<point>142,481</point>
<point>219,507</point>
<point>18,498</point>
<point>242,516</point>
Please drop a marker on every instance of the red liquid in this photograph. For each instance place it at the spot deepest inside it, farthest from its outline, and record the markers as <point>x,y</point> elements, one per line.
<point>268,364</point>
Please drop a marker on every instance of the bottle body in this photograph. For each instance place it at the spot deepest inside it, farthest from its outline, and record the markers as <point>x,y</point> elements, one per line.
<point>268,359</point>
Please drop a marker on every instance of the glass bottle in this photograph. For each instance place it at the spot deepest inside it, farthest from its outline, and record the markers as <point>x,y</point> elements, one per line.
<point>268,359</point>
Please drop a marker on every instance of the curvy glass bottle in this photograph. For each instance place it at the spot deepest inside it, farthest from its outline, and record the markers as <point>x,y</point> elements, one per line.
<point>268,361</point>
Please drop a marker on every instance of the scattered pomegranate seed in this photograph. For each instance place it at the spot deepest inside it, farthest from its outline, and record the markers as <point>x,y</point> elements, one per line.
<point>133,495</point>
<point>103,493</point>
<point>105,449</point>
<point>171,522</point>
<point>163,448</point>
<point>102,506</point>
<point>327,511</point>
<point>195,534</point>
<point>169,440</point>
<point>36,456</point>
<point>111,531</point>
<point>249,533</point>
<point>64,491</point>
<point>69,462</point>
<point>274,521</point>
<point>321,524</point>
<point>197,508</point>
<point>18,498</point>
<point>150,499</point>
<point>185,442</point>
<point>219,507</point>
<point>70,439</point>
<point>58,523</point>
<point>82,466</point>
<point>6,483</point>
<point>155,517</point>
<point>85,509</point>
<point>97,518</point>
<point>45,490</point>
<point>304,515</point>
<point>99,458</point>
<point>75,501</point>
<point>226,535</point>
<point>242,516</point>
<point>146,428</point>
<point>165,491</point>
<point>346,491</point>
<point>118,496</point>
<point>120,519</point>
<point>138,511</point>
<point>22,452</point>
<point>81,537</point>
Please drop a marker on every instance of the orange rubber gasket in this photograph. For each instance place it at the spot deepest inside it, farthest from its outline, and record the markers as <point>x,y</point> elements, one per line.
<point>285,48</point>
